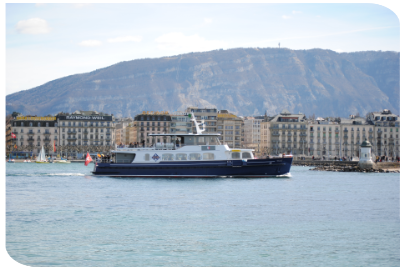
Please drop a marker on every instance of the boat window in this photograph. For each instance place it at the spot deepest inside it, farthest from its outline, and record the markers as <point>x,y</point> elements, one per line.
<point>235,155</point>
<point>211,140</point>
<point>125,158</point>
<point>167,157</point>
<point>190,140</point>
<point>195,156</point>
<point>208,156</point>
<point>147,157</point>
<point>181,157</point>
<point>246,155</point>
<point>201,140</point>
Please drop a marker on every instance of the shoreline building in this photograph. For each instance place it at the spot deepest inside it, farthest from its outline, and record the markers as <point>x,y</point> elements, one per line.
<point>180,123</point>
<point>355,130</point>
<point>152,123</point>
<point>324,138</point>
<point>85,131</point>
<point>230,127</point>
<point>33,132</point>
<point>208,115</point>
<point>130,133</point>
<point>284,133</point>
<point>386,133</point>
<point>120,129</point>
<point>252,131</point>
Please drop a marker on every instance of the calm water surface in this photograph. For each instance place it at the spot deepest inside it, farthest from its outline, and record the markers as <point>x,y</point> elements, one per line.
<point>60,215</point>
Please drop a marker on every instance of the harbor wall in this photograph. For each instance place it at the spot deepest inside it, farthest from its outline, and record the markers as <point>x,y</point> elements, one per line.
<point>324,163</point>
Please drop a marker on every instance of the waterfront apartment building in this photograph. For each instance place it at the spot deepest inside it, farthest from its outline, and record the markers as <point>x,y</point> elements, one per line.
<point>230,127</point>
<point>83,131</point>
<point>33,132</point>
<point>180,123</point>
<point>324,138</point>
<point>386,133</point>
<point>152,123</point>
<point>208,115</point>
<point>355,130</point>
<point>120,130</point>
<point>130,133</point>
<point>283,133</point>
<point>252,131</point>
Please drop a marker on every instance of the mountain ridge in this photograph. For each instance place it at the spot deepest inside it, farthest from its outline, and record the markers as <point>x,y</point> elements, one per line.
<point>246,81</point>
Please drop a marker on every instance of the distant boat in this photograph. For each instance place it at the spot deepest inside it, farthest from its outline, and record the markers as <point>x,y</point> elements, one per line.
<point>10,160</point>
<point>41,157</point>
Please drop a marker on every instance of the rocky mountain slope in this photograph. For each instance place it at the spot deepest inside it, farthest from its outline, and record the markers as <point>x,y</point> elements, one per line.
<point>245,81</point>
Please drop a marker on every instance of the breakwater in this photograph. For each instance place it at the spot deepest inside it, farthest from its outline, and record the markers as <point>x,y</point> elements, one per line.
<point>348,166</point>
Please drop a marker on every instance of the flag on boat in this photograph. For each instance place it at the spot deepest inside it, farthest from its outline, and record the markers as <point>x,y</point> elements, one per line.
<point>88,159</point>
<point>54,147</point>
<point>13,136</point>
<point>15,146</point>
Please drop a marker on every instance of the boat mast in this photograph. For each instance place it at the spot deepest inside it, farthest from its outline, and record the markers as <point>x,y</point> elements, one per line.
<point>198,130</point>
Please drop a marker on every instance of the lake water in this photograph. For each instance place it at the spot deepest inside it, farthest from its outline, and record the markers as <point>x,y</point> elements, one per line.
<point>60,215</point>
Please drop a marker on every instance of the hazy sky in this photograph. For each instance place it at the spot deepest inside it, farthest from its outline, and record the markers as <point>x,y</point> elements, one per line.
<point>45,42</point>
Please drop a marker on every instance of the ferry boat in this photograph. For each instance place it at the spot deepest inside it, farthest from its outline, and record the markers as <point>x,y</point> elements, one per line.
<point>192,155</point>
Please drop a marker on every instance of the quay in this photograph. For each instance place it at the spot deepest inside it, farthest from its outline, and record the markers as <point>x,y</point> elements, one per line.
<point>33,160</point>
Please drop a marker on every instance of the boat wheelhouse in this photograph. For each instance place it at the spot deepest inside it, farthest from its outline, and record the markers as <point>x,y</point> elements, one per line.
<point>190,155</point>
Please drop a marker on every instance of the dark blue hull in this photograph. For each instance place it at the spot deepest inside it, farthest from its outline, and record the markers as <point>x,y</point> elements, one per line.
<point>211,168</point>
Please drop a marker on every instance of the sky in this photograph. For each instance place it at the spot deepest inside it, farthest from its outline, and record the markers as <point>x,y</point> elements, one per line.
<point>45,42</point>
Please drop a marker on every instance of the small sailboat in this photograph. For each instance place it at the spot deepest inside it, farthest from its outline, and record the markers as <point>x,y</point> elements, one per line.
<point>41,157</point>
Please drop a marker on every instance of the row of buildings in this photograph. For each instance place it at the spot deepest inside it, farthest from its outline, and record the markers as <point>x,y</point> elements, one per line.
<point>65,134</point>
<point>330,137</point>
<point>89,131</point>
